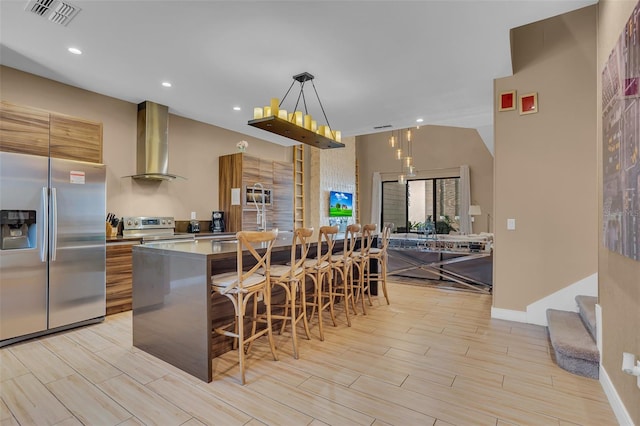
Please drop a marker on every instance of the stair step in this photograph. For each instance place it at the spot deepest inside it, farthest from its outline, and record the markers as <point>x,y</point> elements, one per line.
<point>587,309</point>
<point>574,348</point>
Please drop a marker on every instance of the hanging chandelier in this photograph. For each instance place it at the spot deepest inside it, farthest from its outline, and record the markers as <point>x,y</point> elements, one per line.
<point>296,125</point>
<point>402,143</point>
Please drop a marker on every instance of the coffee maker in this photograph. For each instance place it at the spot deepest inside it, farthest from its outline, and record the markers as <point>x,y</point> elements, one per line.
<point>217,221</point>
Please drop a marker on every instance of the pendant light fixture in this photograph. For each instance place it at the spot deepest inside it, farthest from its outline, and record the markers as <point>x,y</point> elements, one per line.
<point>410,168</point>
<point>295,125</point>
<point>402,178</point>
<point>403,152</point>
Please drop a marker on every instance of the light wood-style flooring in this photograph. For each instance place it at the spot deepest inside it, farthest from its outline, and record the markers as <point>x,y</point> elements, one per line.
<point>433,357</point>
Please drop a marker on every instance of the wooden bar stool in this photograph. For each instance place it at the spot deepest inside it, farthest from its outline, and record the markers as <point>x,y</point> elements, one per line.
<point>361,263</point>
<point>342,268</point>
<point>380,255</point>
<point>242,286</point>
<point>291,278</point>
<point>319,270</point>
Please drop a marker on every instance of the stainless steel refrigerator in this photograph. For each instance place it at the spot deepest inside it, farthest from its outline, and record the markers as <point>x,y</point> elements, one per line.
<point>52,246</point>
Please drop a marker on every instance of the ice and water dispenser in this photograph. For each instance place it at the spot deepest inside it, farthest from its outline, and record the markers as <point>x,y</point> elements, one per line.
<point>18,229</point>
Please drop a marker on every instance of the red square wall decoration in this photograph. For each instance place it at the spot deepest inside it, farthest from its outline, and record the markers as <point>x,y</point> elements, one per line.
<point>507,101</point>
<point>529,103</point>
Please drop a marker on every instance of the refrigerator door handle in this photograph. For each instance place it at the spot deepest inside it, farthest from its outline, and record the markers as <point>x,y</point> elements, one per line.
<point>45,224</point>
<point>54,224</point>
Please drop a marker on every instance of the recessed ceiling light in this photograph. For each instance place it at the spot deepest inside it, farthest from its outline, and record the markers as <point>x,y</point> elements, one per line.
<point>166,84</point>
<point>419,120</point>
<point>236,108</point>
<point>75,50</point>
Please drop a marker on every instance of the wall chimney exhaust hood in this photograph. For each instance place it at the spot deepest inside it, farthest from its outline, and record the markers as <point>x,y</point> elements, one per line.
<point>152,152</point>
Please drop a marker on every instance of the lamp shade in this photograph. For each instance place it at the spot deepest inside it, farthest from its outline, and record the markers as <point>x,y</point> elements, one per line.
<point>474,210</point>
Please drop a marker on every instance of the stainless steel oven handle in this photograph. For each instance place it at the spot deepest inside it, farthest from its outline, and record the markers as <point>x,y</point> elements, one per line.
<point>54,224</point>
<point>45,224</point>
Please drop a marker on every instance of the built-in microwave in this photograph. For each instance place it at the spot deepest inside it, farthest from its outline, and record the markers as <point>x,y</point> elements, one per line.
<point>255,194</point>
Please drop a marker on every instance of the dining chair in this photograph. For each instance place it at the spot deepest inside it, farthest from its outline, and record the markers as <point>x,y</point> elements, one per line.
<point>242,286</point>
<point>291,278</point>
<point>319,271</point>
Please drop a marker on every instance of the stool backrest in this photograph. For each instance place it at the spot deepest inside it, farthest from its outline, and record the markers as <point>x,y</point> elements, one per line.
<point>252,241</point>
<point>366,240</point>
<point>350,239</point>
<point>326,235</point>
<point>386,235</point>
<point>302,238</point>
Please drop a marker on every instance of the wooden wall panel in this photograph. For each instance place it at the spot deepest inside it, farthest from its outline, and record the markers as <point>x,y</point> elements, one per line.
<point>250,171</point>
<point>255,170</point>
<point>242,170</point>
<point>24,130</point>
<point>266,173</point>
<point>75,138</point>
<point>249,217</point>
<point>230,176</point>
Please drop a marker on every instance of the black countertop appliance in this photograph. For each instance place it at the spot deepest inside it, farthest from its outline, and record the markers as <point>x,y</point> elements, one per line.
<point>193,227</point>
<point>217,221</point>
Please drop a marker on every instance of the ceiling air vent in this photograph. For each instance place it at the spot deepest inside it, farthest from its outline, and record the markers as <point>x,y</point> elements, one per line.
<point>56,11</point>
<point>384,126</point>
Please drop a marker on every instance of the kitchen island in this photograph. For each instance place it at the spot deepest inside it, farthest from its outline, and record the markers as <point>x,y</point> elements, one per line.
<point>174,312</point>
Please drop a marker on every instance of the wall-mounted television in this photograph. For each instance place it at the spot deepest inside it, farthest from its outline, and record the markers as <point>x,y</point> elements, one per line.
<point>340,204</point>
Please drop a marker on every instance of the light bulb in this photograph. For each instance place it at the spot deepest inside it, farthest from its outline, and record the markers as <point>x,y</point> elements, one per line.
<point>392,141</point>
<point>398,154</point>
<point>408,161</point>
<point>402,180</point>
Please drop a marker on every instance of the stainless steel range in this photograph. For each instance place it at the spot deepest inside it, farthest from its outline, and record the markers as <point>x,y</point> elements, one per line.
<point>152,228</point>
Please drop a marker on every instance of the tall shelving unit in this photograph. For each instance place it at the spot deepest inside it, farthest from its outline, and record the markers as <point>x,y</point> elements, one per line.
<point>298,186</point>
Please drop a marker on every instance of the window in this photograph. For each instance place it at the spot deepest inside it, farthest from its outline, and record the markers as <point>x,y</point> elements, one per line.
<point>413,207</point>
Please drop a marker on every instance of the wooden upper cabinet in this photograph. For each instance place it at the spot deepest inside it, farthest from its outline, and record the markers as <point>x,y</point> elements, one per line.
<point>75,138</point>
<point>27,130</point>
<point>24,130</point>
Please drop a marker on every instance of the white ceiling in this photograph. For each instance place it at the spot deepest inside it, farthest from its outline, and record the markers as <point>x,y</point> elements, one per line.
<point>375,62</point>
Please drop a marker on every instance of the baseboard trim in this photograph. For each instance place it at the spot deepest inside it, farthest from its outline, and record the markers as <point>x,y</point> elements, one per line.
<point>620,411</point>
<point>508,314</point>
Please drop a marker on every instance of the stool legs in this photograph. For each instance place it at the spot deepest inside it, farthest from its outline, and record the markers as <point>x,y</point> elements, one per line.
<point>364,284</point>
<point>343,289</point>
<point>319,277</point>
<point>381,276</point>
<point>383,267</point>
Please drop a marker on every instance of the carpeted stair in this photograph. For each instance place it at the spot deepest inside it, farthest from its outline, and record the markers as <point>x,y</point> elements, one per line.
<point>573,337</point>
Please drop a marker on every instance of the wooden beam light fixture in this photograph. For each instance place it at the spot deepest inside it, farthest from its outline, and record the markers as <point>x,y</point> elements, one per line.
<point>295,125</point>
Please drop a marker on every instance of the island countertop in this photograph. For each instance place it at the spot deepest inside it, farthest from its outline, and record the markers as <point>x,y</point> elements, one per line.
<point>213,248</point>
